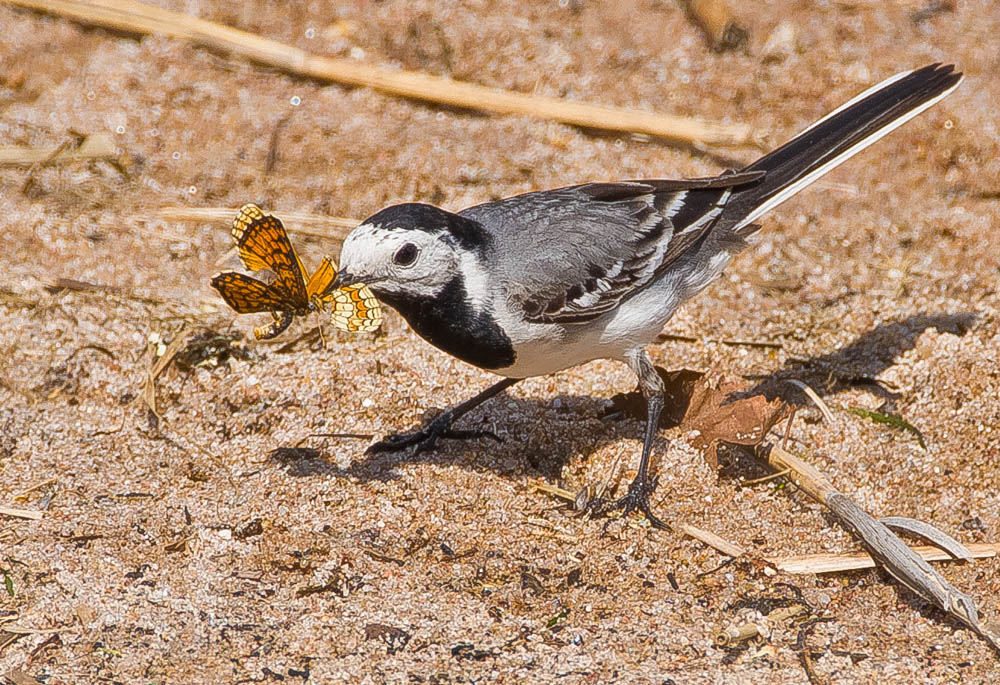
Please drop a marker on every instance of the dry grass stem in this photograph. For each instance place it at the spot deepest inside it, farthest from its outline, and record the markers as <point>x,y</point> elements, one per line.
<point>817,400</point>
<point>908,568</point>
<point>97,146</point>
<point>835,563</point>
<point>765,479</point>
<point>830,563</point>
<point>75,285</point>
<point>128,15</point>
<point>335,228</point>
<point>712,540</point>
<point>149,388</point>
<point>20,513</point>
<point>24,493</point>
<point>21,630</point>
<point>675,337</point>
<point>555,490</point>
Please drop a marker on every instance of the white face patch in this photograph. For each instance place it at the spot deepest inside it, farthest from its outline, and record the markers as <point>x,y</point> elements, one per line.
<point>368,255</point>
<point>361,247</point>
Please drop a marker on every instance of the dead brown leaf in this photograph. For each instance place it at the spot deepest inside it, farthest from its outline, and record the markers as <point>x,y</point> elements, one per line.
<point>698,404</point>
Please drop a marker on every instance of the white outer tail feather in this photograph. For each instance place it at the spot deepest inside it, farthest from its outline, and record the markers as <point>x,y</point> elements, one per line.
<point>792,188</point>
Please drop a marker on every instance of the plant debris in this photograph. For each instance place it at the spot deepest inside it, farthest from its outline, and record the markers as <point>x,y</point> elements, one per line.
<point>209,350</point>
<point>890,420</point>
<point>712,409</point>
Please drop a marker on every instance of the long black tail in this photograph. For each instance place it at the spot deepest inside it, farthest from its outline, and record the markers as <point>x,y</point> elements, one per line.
<point>836,138</point>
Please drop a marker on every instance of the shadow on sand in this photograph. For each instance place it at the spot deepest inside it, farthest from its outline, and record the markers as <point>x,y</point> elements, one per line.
<point>577,427</point>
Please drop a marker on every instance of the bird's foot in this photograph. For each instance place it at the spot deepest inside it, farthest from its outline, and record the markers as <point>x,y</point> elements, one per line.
<point>636,499</point>
<point>426,438</point>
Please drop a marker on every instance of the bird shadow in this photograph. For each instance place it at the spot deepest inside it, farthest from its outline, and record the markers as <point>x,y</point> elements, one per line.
<point>573,425</point>
<point>857,364</point>
<point>533,437</point>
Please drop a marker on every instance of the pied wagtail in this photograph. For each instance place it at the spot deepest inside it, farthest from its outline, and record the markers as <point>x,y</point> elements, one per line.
<point>536,283</point>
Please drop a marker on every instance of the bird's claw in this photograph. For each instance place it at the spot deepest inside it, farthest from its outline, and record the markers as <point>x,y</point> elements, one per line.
<point>636,499</point>
<point>426,439</point>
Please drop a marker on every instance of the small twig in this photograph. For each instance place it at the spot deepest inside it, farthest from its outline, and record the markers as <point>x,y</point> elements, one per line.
<point>379,556</point>
<point>773,476</point>
<point>272,145</point>
<point>21,630</point>
<point>817,400</point>
<point>788,428</point>
<point>21,513</point>
<point>24,493</point>
<point>111,431</point>
<point>830,563</point>
<point>885,547</point>
<point>349,436</point>
<point>96,146</point>
<point>752,343</point>
<point>11,639</point>
<point>135,17</point>
<point>149,388</point>
<point>712,540</point>
<point>85,287</point>
<point>551,531</point>
<point>853,561</point>
<point>555,490</point>
<point>730,342</point>
<point>676,337</point>
<point>931,534</point>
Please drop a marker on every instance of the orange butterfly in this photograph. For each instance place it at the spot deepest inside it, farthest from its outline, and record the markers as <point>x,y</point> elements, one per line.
<point>263,244</point>
<point>355,309</point>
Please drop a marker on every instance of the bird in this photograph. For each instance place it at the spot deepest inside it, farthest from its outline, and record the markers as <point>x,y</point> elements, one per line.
<point>536,283</point>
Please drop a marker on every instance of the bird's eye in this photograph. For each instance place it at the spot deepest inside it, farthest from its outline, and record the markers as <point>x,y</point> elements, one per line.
<point>405,255</point>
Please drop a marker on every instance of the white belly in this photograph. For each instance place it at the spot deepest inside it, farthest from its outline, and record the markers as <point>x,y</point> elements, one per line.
<point>542,349</point>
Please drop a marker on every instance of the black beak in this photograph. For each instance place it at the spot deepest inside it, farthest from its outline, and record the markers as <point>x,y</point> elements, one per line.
<point>345,277</point>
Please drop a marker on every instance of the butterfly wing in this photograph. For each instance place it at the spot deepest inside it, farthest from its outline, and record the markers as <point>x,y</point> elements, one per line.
<point>321,282</point>
<point>246,294</point>
<point>264,244</point>
<point>355,309</point>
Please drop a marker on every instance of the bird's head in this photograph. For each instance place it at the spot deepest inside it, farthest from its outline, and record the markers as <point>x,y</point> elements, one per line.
<point>409,251</point>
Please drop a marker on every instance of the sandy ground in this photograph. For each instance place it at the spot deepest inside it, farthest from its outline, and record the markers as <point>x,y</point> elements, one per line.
<point>198,549</point>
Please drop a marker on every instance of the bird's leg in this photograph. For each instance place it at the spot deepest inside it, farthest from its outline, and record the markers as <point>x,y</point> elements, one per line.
<point>440,427</point>
<point>637,498</point>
